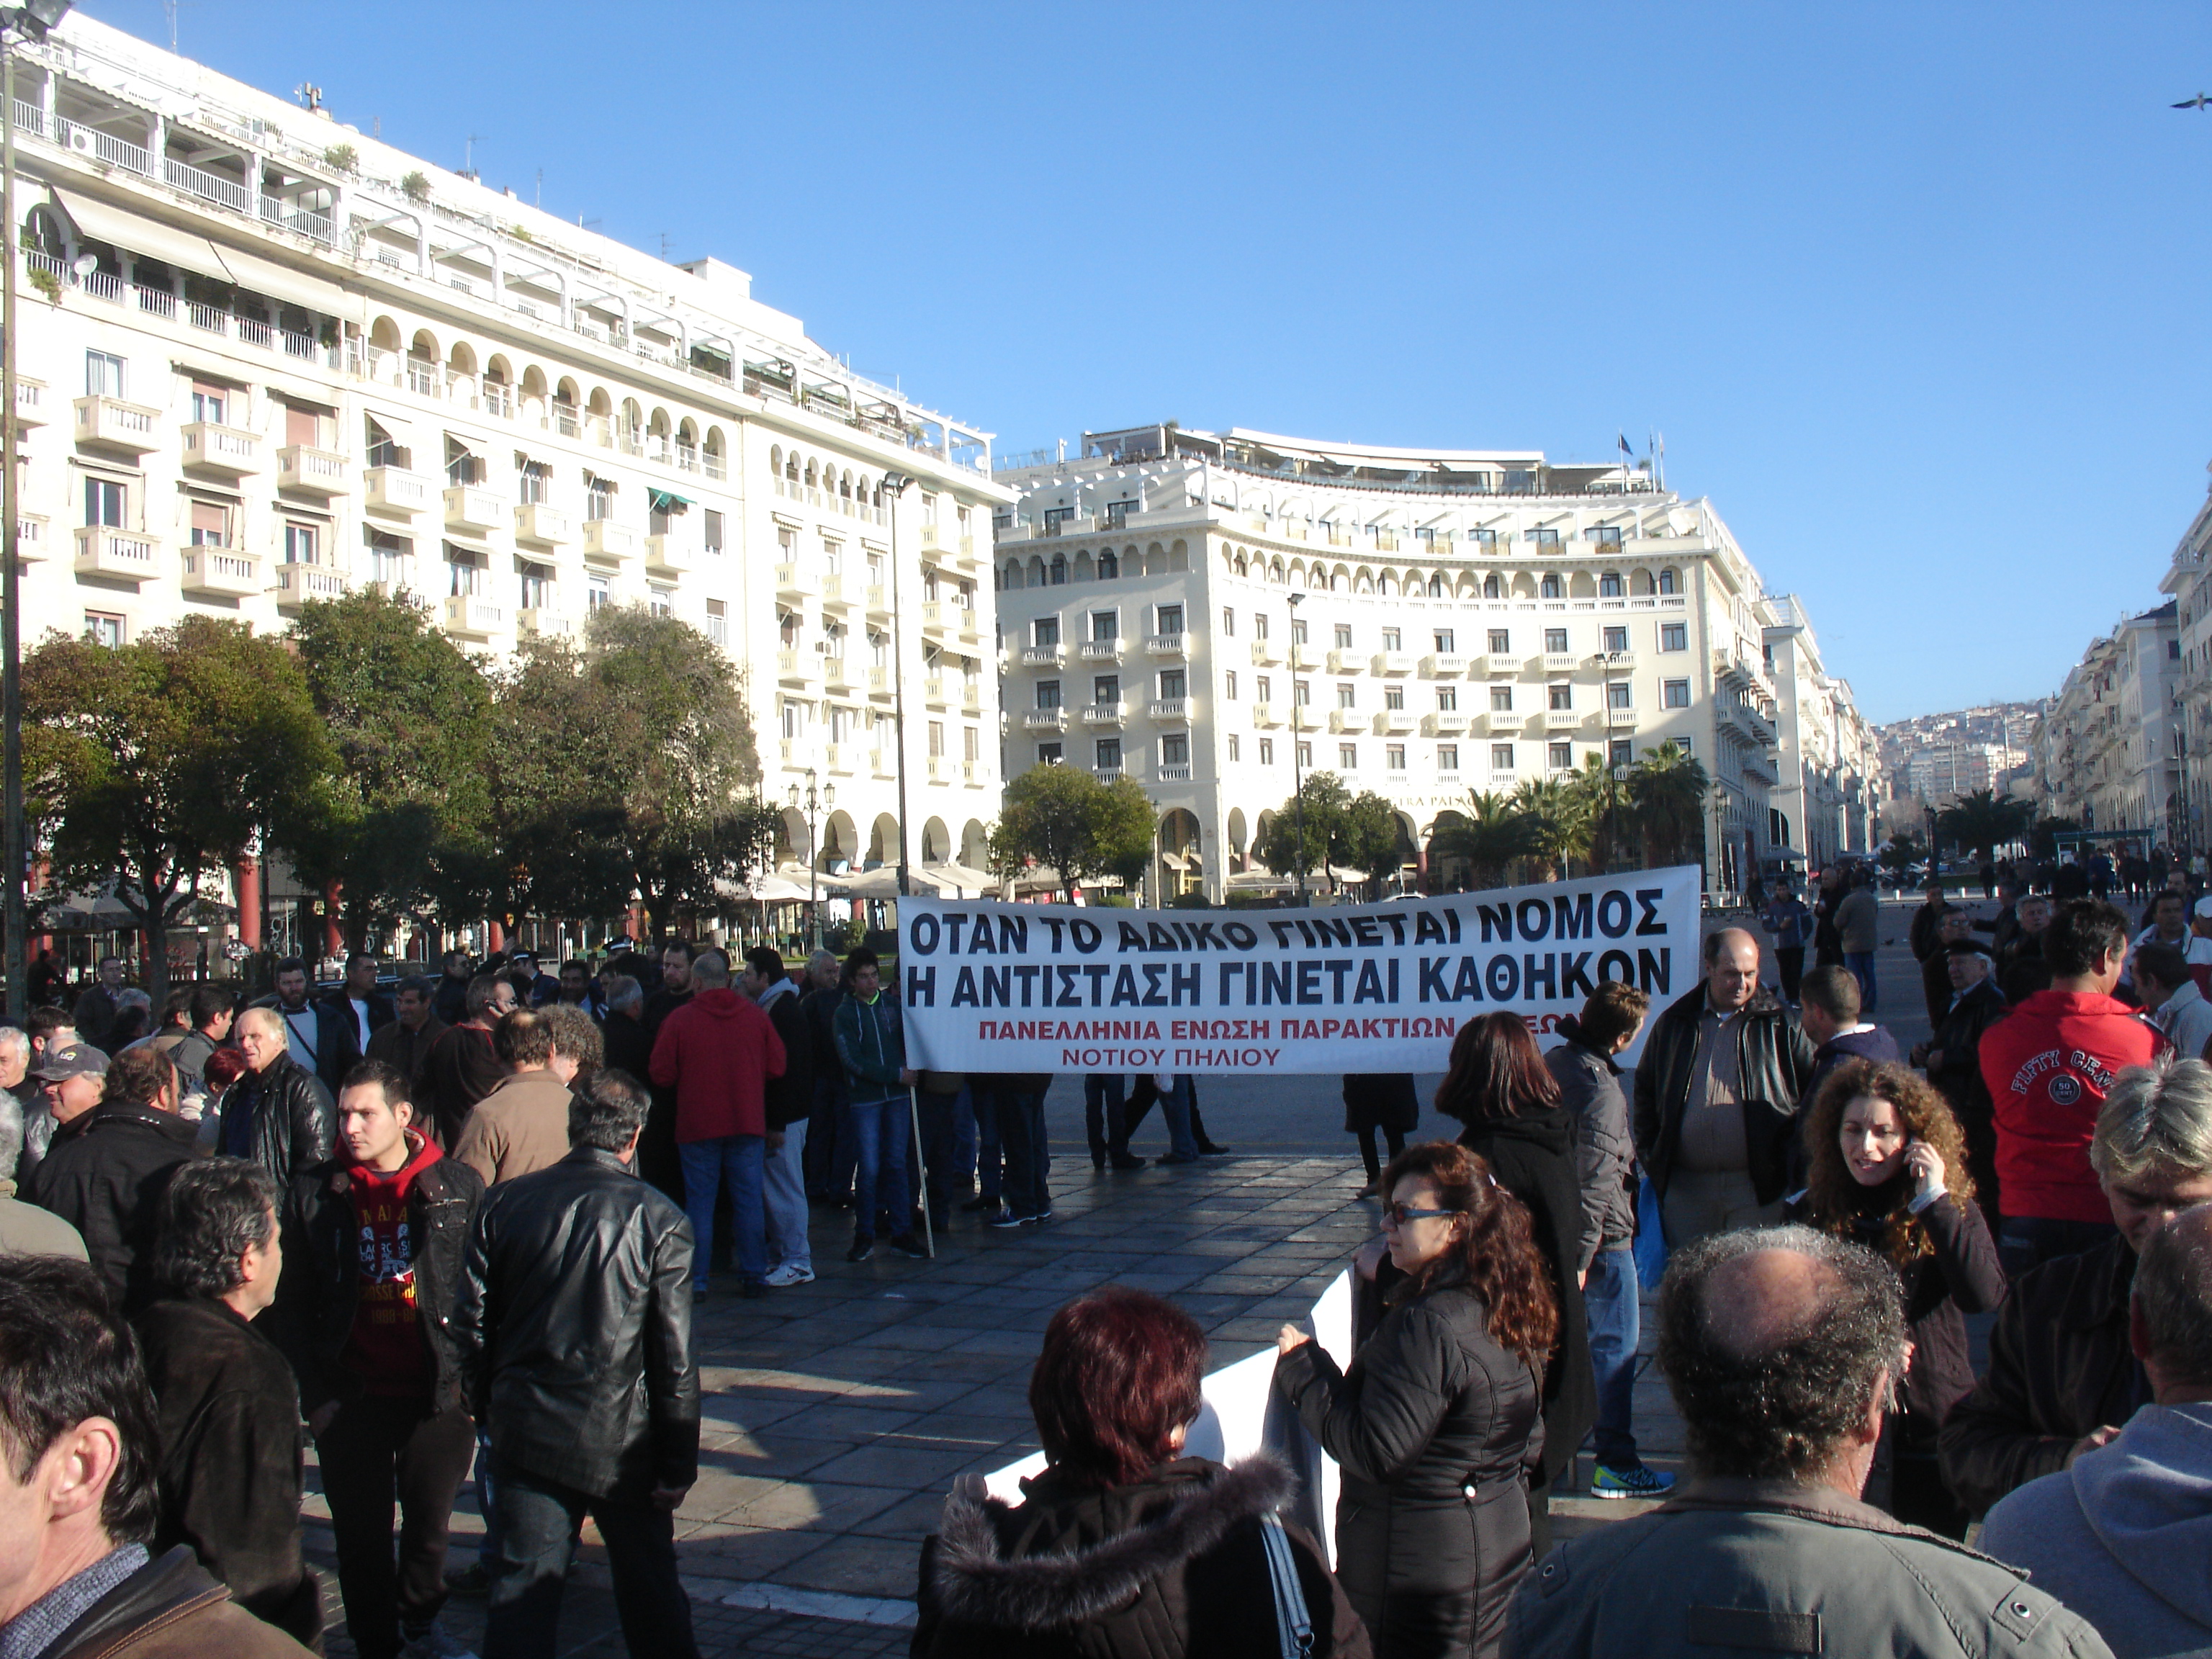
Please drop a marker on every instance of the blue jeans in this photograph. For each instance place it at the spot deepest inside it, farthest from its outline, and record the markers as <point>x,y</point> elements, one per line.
<point>541,1521</point>
<point>881,1129</point>
<point>1609,1294</point>
<point>706,1163</point>
<point>2026,1240</point>
<point>1861,962</point>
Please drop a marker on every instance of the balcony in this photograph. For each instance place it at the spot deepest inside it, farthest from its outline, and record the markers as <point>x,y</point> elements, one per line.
<point>1497,665</point>
<point>1052,719</point>
<point>940,617</point>
<point>1562,719</point>
<point>1041,656</point>
<point>1617,662</point>
<point>310,470</point>
<point>1503,720</point>
<point>937,690</point>
<point>667,555</point>
<point>296,584</point>
<point>971,695</point>
<point>30,403</point>
<point>796,582</point>
<point>104,550</point>
<point>1443,665</point>
<point>1304,656</point>
<point>1347,662</point>
<point>1266,713</point>
<point>833,597</point>
<point>837,675</point>
<point>1346,720</point>
<point>221,572</point>
<point>1621,719</point>
<point>879,683</point>
<point>227,451</point>
<point>113,424</point>
<point>472,510</point>
<point>608,542</point>
<point>1105,713</point>
<point>1266,653</point>
<point>841,757</point>
<point>1396,721</point>
<point>466,616</point>
<point>1164,645</point>
<point>1173,774</point>
<point>878,600</point>
<point>540,622</point>
<point>1561,662</point>
<point>1393,662</point>
<point>1168,709</point>
<point>389,489</point>
<point>543,523</point>
<point>797,667</point>
<point>1099,651</point>
<point>1444,723</point>
<point>31,545</point>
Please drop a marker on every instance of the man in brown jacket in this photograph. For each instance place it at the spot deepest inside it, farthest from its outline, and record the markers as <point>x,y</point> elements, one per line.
<point>522,1125</point>
<point>77,1505</point>
<point>405,1042</point>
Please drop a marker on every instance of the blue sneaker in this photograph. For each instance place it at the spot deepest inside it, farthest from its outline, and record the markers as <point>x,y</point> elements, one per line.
<point>1634,1481</point>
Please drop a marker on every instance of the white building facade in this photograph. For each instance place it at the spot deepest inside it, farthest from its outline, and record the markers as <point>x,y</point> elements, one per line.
<point>1464,621</point>
<point>267,359</point>
<point>2109,753</point>
<point>1827,801</point>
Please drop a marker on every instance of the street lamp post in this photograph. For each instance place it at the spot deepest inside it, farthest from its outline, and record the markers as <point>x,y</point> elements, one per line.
<point>813,804</point>
<point>1298,765</point>
<point>18,22</point>
<point>895,486</point>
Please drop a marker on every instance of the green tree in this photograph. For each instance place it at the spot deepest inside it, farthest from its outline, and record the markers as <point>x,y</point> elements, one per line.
<point>1980,823</point>
<point>1371,838</point>
<point>1065,819</point>
<point>1280,847</point>
<point>409,714</point>
<point>1669,790</point>
<point>1490,838</point>
<point>165,757</point>
<point>2043,840</point>
<point>1608,811</point>
<point>1556,816</point>
<point>1905,850</point>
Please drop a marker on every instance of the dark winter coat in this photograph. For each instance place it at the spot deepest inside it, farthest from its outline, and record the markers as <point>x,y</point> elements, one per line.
<point>320,1289</point>
<point>2060,1365</point>
<point>1381,1100</point>
<point>229,1474</point>
<point>1533,1157</point>
<point>871,1047</point>
<point>1875,1044</point>
<point>104,1174</point>
<point>1774,1058</point>
<point>1169,1565</point>
<point>820,1008</point>
<point>1958,1076</point>
<point>290,1123</point>
<point>790,1098</point>
<point>573,1329</point>
<point>1927,921</point>
<point>629,1046</point>
<point>460,1070</point>
<point>1605,1152</point>
<point>1434,1430</point>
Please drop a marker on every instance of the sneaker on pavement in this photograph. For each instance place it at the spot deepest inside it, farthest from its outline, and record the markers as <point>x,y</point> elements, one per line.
<point>474,1579</point>
<point>861,1250</point>
<point>1038,1219</point>
<point>434,1642</point>
<point>1634,1481</point>
<point>907,1244</point>
<point>1004,1219</point>
<point>790,1273</point>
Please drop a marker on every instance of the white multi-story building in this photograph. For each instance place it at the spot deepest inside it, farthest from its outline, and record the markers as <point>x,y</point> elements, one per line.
<point>2107,753</point>
<point>2188,580</point>
<point>1827,801</point>
<point>1203,611</point>
<point>268,359</point>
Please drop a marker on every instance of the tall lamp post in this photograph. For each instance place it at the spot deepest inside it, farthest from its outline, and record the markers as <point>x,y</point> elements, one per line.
<point>895,486</point>
<point>1298,765</point>
<point>17,22</point>
<point>813,804</point>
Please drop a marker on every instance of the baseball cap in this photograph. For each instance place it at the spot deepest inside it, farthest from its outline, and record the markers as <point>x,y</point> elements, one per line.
<point>78,1060</point>
<point>2204,909</point>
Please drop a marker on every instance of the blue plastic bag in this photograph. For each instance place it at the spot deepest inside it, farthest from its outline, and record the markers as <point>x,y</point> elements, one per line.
<point>1650,1235</point>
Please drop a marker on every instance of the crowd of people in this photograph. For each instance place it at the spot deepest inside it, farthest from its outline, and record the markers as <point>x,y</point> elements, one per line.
<point>403,1223</point>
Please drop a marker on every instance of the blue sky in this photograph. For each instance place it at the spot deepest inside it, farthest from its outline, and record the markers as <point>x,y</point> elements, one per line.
<point>1918,295</point>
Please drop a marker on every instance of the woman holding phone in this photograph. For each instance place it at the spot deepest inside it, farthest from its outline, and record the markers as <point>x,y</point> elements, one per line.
<point>1887,1166</point>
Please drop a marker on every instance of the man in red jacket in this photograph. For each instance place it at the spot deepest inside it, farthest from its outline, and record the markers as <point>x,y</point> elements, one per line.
<point>717,1052</point>
<point>2049,1065</point>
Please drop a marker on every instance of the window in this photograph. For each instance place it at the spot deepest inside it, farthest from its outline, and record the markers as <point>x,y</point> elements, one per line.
<point>1301,693</point>
<point>1044,633</point>
<point>102,629</point>
<point>300,543</point>
<point>936,739</point>
<point>1172,684</point>
<point>1606,535</point>
<point>1621,751</point>
<point>1171,619</point>
<point>1618,694</point>
<point>1229,686</point>
<point>1447,757</point>
<point>786,544</point>
<point>1544,541</point>
<point>1608,586</point>
<point>597,592</point>
<point>1563,758</point>
<point>1105,626</point>
<point>1347,757</point>
<point>1267,751</point>
<point>103,503</point>
<point>210,402</point>
<point>1174,749</point>
<point>1669,582</point>
<point>462,466</point>
<point>1109,754</point>
<point>1501,642</point>
<point>464,575</point>
<point>1673,636</point>
<point>1047,694</point>
<point>1343,636</point>
<point>1550,589</point>
<point>1561,693</point>
<point>1501,699</point>
<point>1555,641</point>
<point>1228,623</point>
<point>1444,646</point>
<point>1675,694</point>
<point>210,524</point>
<point>382,450</point>
<point>1393,639</point>
<point>535,582</point>
<point>2173,650</point>
<point>599,502</point>
<point>1616,639</point>
<point>711,527</point>
<point>1108,567</point>
<point>1447,699</point>
<point>718,622</point>
<point>1050,754</point>
<point>103,377</point>
<point>1259,626</point>
<point>1263,687</point>
<point>1105,689</point>
<point>1305,755</point>
<point>1394,756</point>
<point>661,601</point>
<point>1347,695</point>
<point>387,556</point>
<point>1501,757</point>
<point>1297,630</point>
<point>1394,696</point>
<point>1681,746</point>
<point>1235,749</point>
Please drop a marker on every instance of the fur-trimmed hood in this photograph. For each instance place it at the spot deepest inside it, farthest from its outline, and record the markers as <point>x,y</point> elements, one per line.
<point>975,1585</point>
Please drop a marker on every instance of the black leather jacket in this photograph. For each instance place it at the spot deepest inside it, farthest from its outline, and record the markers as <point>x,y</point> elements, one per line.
<point>321,1283</point>
<point>574,1329</point>
<point>1774,1062</point>
<point>295,1127</point>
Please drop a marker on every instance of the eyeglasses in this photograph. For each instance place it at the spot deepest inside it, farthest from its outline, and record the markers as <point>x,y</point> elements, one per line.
<point>1398,1215</point>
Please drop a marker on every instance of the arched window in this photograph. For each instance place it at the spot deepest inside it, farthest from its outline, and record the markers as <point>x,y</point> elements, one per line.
<point>1436,585</point>
<point>1491,588</point>
<point>1669,582</point>
<point>1059,570</point>
<point>1109,567</point>
<point>1036,571</point>
<point>1551,590</point>
<point>1242,569</point>
<point>791,468</point>
<point>1608,584</point>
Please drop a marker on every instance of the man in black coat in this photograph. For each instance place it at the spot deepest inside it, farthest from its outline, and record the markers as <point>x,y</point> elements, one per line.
<point>323,1039</point>
<point>584,1258</point>
<point>229,1474</point>
<point>787,1101</point>
<point>1935,991</point>
<point>105,1171</point>
<point>278,1114</point>
<point>1952,1057</point>
<point>829,1152</point>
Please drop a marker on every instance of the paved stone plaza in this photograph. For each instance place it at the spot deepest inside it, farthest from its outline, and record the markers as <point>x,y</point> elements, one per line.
<point>836,1413</point>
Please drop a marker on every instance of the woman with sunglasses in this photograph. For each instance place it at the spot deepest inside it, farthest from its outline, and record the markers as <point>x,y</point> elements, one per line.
<point>1434,1426</point>
<point>1499,1087</point>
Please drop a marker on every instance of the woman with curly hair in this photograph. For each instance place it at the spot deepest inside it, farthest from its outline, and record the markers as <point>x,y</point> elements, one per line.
<point>1887,1168</point>
<point>1437,1425</point>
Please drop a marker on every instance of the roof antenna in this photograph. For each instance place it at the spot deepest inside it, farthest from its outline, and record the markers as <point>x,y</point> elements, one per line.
<point>468,155</point>
<point>170,7</point>
<point>309,95</point>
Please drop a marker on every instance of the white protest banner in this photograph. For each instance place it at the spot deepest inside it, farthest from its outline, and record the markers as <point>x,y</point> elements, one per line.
<point>989,986</point>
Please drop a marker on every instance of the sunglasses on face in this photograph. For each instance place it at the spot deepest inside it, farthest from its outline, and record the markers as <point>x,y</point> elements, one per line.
<point>1398,1215</point>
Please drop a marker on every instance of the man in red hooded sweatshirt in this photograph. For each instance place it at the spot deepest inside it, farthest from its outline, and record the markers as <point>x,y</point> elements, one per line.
<point>717,1052</point>
<point>372,1244</point>
<point>2049,1065</point>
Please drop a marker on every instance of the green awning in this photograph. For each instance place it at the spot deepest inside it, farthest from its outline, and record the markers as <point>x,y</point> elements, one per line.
<point>663,501</point>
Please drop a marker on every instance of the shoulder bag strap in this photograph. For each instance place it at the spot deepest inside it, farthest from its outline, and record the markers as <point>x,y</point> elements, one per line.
<point>1291,1619</point>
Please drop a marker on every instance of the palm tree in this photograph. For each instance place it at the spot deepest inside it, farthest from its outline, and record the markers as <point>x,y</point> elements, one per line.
<point>1558,824</point>
<point>1980,823</point>
<point>1608,811</point>
<point>1492,836</point>
<point>1670,789</point>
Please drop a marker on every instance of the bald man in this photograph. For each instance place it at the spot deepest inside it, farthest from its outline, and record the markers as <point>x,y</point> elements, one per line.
<point>1780,1348</point>
<point>1716,1097</point>
<point>279,1114</point>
